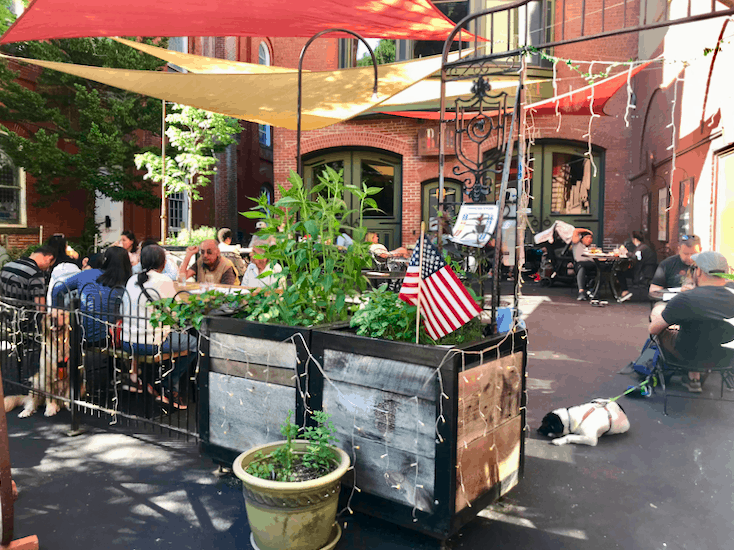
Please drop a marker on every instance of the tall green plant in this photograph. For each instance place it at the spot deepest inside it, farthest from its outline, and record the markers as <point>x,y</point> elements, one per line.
<point>305,224</point>
<point>195,136</point>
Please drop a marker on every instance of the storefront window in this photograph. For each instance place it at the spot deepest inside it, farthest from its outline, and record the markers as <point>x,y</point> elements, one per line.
<point>571,184</point>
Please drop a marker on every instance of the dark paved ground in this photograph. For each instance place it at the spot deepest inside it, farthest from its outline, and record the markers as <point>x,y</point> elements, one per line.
<point>667,484</point>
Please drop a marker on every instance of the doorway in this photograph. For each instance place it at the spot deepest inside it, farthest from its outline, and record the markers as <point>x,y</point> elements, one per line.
<point>375,169</point>
<point>566,185</point>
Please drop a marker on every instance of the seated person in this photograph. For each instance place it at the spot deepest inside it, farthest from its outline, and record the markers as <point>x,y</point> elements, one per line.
<point>231,251</point>
<point>380,250</point>
<point>142,338</point>
<point>646,259</point>
<point>344,241</point>
<point>259,265</point>
<point>672,271</point>
<point>171,269</point>
<point>100,292</point>
<point>23,279</point>
<point>584,264</point>
<point>703,315</point>
<point>211,267</point>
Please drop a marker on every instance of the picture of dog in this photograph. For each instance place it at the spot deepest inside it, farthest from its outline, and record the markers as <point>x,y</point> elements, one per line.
<point>585,424</point>
<point>52,376</point>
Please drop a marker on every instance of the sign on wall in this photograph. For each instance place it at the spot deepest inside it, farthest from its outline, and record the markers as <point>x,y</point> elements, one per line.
<point>428,142</point>
<point>685,207</point>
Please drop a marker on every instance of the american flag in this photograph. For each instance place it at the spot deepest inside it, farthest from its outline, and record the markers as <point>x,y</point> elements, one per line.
<point>445,302</point>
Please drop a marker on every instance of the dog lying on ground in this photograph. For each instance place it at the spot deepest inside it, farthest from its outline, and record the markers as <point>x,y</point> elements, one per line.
<point>585,424</point>
<point>51,377</point>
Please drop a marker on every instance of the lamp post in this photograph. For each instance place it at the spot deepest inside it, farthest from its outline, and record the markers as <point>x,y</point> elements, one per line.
<point>299,162</point>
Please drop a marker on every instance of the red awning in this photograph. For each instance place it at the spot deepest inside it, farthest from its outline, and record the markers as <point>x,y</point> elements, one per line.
<point>399,19</point>
<point>578,102</point>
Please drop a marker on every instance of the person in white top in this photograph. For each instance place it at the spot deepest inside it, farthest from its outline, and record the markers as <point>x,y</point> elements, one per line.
<point>259,265</point>
<point>140,337</point>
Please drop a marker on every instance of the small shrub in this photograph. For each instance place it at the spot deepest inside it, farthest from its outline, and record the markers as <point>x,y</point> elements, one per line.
<point>195,237</point>
<point>285,464</point>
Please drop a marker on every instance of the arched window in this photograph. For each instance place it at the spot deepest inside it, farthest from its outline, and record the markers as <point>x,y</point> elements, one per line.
<point>265,131</point>
<point>12,193</point>
<point>263,54</point>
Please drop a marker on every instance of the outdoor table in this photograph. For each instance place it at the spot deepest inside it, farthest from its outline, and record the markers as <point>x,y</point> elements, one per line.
<point>606,265</point>
<point>664,295</point>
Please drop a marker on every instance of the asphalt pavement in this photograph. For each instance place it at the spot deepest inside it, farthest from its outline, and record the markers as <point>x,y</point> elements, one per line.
<point>666,484</point>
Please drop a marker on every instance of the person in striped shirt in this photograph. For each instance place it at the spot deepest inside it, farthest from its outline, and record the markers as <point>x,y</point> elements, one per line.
<point>23,279</point>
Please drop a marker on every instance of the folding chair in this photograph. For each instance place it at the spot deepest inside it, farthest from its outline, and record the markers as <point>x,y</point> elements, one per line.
<point>667,366</point>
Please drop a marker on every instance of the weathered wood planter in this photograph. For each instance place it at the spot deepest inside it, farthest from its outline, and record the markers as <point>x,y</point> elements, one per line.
<point>248,384</point>
<point>435,433</point>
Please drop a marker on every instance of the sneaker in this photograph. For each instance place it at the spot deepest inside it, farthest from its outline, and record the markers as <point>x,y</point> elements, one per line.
<point>132,387</point>
<point>625,297</point>
<point>581,297</point>
<point>694,386</point>
<point>171,396</point>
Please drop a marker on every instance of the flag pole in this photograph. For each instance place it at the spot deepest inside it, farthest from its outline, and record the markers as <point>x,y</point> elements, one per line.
<point>420,283</point>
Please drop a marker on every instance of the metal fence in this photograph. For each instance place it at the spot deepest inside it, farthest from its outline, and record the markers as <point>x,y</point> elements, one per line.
<point>94,351</point>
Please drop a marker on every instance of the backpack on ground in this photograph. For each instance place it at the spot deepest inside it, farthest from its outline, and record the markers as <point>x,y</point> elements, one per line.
<point>647,360</point>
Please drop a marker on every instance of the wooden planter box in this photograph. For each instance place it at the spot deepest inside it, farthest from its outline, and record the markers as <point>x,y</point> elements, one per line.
<point>435,435</point>
<point>249,380</point>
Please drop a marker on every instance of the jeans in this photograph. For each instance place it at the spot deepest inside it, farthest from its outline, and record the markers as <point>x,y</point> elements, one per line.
<point>176,342</point>
<point>581,269</point>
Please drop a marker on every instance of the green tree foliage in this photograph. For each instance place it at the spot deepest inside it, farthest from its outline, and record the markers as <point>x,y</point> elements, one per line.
<point>384,52</point>
<point>195,136</point>
<point>70,133</point>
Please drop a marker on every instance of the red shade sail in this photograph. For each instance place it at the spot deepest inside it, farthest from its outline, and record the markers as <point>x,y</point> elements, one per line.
<point>399,19</point>
<point>579,102</point>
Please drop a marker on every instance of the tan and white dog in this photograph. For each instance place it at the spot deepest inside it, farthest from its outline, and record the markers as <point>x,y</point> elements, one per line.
<point>585,424</point>
<point>50,378</point>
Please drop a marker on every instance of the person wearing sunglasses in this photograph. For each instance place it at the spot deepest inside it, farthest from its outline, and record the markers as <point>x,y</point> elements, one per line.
<point>211,267</point>
<point>672,271</point>
<point>704,313</point>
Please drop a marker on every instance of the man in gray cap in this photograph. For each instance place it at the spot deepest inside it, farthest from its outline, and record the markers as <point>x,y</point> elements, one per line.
<point>704,315</point>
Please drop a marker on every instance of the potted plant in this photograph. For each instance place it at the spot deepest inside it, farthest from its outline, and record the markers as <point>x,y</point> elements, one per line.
<point>291,487</point>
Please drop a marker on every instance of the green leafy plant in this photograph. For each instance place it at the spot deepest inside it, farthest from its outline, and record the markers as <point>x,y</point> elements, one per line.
<point>385,315</point>
<point>194,237</point>
<point>304,225</point>
<point>287,464</point>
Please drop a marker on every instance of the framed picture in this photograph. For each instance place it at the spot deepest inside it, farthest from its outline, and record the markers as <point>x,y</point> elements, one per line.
<point>663,214</point>
<point>685,207</point>
<point>646,214</point>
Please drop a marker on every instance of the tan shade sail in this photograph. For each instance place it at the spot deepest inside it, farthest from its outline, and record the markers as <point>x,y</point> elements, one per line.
<point>328,97</point>
<point>203,64</point>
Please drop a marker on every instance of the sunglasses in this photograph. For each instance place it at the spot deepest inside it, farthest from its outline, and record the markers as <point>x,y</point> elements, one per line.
<point>689,238</point>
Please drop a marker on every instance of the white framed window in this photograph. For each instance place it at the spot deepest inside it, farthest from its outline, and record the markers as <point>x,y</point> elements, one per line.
<point>12,193</point>
<point>178,210</point>
<point>178,44</point>
<point>263,52</point>
<point>265,131</point>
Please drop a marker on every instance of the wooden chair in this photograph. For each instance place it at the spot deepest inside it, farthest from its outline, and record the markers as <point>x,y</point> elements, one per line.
<point>668,366</point>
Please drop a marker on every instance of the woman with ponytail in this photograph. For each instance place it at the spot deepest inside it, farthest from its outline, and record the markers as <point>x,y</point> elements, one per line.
<point>140,337</point>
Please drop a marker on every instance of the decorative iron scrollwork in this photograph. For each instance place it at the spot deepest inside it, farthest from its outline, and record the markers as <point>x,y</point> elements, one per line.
<point>479,120</point>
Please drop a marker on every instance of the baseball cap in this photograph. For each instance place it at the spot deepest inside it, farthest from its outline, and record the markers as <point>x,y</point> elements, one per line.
<point>711,263</point>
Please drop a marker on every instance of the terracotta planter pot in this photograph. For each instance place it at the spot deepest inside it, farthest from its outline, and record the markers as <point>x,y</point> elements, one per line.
<point>294,516</point>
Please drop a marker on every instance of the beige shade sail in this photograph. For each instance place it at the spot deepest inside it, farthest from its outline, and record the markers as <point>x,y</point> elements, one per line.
<point>328,96</point>
<point>202,64</point>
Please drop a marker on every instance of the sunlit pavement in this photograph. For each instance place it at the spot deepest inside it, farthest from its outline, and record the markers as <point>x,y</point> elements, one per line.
<point>666,484</point>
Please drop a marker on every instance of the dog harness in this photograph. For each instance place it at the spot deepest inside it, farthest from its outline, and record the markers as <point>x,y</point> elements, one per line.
<point>587,414</point>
